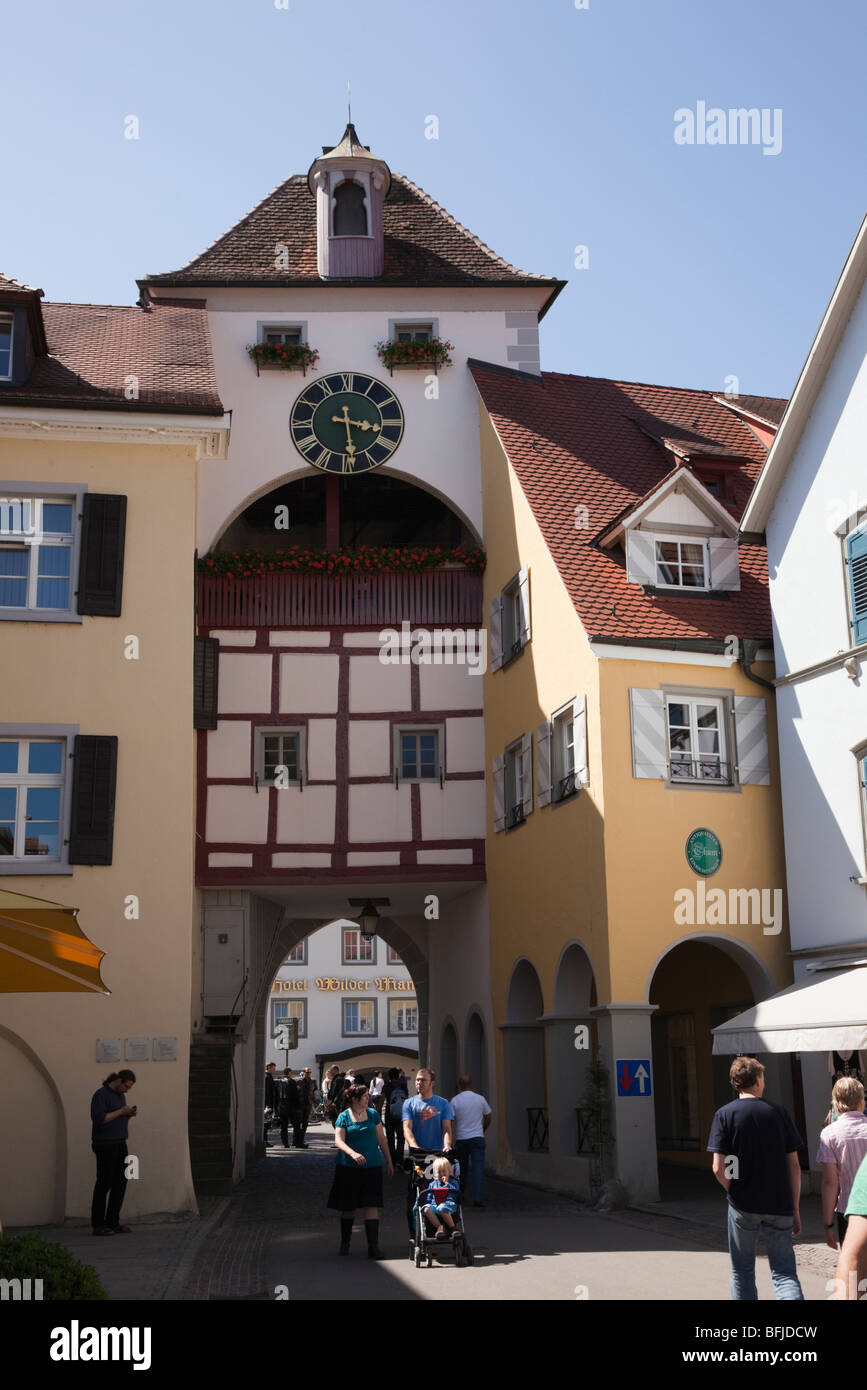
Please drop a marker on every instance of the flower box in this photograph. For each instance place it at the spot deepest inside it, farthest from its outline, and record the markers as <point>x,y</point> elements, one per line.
<point>432,354</point>
<point>282,357</point>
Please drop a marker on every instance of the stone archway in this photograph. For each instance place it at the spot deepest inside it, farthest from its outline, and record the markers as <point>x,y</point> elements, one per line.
<point>569,1038</point>
<point>476,1051</point>
<point>34,1174</point>
<point>447,1072</point>
<point>524,1062</point>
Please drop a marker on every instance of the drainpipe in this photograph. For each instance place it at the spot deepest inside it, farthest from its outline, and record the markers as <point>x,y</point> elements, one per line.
<point>749,646</point>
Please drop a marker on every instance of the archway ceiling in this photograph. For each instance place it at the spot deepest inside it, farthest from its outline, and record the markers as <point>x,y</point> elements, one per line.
<point>331,900</point>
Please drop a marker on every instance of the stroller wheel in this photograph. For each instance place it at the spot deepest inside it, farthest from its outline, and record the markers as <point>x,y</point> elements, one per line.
<point>419,1256</point>
<point>469,1257</point>
<point>412,1250</point>
<point>430,1261</point>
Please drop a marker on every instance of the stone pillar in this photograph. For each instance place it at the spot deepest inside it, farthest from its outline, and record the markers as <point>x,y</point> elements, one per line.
<point>624,1034</point>
<point>565,1066</point>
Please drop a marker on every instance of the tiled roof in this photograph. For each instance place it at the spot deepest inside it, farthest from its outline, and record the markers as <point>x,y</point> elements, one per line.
<point>768,408</point>
<point>7,283</point>
<point>424,245</point>
<point>93,348</point>
<point>584,441</point>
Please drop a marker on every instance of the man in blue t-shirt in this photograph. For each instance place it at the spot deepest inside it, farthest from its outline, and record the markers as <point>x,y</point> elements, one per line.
<point>428,1122</point>
<point>755,1148</point>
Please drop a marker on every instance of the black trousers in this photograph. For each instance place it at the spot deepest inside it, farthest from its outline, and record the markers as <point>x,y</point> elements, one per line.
<point>297,1132</point>
<point>396,1141</point>
<point>110,1183</point>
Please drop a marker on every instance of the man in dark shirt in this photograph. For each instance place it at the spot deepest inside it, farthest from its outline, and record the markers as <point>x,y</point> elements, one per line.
<point>110,1116</point>
<point>288,1110</point>
<point>270,1098</point>
<point>755,1144</point>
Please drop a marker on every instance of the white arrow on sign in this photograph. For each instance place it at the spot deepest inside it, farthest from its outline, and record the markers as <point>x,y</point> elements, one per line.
<point>641,1075</point>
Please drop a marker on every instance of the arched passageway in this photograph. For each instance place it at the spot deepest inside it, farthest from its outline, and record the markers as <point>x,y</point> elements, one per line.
<point>524,1062</point>
<point>447,1075</point>
<point>476,1053</point>
<point>569,1049</point>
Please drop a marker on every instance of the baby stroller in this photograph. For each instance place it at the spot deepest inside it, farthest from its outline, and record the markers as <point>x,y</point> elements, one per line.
<point>419,1163</point>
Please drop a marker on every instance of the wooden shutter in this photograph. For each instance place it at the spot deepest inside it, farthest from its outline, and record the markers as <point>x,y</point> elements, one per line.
<point>527,751</point>
<point>496,623</point>
<point>523,606</point>
<point>649,734</point>
<point>100,572</point>
<point>543,763</point>
<point>499,785</point>
<point>725,570</point>
<point>94,779</point>
<point>751,737</point>
<point>640,557</point>
<point>856,559</point>
<point>206,667</point>
<point>580,734</point>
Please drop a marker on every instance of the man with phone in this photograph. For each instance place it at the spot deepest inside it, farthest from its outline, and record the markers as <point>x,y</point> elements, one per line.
<point>110,1118</point>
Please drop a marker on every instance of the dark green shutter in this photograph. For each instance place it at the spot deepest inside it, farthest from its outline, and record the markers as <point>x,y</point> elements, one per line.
<point>206,664</point>
<point>94,778</point>
<point>100,574</point>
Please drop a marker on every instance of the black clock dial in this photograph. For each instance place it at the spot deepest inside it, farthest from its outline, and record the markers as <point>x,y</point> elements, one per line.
<point>346,422</point>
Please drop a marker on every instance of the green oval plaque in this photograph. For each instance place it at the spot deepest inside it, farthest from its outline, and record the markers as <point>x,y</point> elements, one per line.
<point>703,852</point>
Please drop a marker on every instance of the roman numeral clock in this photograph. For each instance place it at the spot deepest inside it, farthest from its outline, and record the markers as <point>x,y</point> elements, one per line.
<point>346,423</point>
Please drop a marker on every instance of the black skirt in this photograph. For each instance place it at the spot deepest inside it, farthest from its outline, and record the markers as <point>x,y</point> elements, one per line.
<point>355,1187</point>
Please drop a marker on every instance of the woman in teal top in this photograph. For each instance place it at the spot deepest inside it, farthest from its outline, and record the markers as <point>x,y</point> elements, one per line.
<point>362,1153</point>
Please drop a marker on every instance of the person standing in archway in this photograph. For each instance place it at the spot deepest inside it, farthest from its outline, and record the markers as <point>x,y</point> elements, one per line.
<point>110,1117</point>
<point>472,1117</point>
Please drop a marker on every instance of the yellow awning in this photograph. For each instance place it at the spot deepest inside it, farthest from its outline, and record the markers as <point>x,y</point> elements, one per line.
<point>44,950</point>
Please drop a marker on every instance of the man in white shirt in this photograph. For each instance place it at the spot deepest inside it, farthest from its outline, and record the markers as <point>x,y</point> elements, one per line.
<point>842,1149</point>
<point>472,1117</point>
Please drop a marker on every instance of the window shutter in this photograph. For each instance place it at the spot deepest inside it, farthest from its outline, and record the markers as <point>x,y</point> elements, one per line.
<point>751,737</point>
<point>724,568</point>
<point>206,667</point>
<point>649,734</point>
<point>640,557</point>
<point>543,763</point>
<point>100,573</point>
<point>527,751</point>
<point>523,602</point>
<point>856,554</point>
<point>499,785</point>
<point>580,726</point>
<point>94,779</point>
<point>496,623</point>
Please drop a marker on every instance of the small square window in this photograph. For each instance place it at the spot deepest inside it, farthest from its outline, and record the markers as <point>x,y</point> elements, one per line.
<point>393,957</point>
<point>402,1016</point>
<point>32,787</point>
<point>36,544</point>
<point>413,332</point>
<point>280,756</point>
<point>418,755</point>
<point>298,954</point>
<point>697,740</point>
<point>359,1016</point>
<point>358,949</point>
<point>283,1009</point>
<point>289,335</point>
<point>681,565</point>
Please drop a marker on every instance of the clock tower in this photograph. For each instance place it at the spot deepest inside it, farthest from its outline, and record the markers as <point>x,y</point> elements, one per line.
<point>350,186</point>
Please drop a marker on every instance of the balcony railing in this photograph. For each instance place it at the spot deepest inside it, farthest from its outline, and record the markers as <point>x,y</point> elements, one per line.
<point>537,1129</point>
<point>385,599</point>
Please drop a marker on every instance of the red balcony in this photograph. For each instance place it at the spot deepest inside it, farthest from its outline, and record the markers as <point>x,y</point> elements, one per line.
<point>432,598</point>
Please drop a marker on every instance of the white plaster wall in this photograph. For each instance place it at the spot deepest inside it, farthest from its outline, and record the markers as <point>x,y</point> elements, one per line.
<point>454,811</point>
<point>308,683</point>
<point>380,812</point>
<point>321,761</point>
<point>375,686</point>
<point>229,749</point>
<point>237,814</point>
<point>306,817</point>
<point>369,748</point>
<point>245,683</point>
<point>677,509</point>
<point>450,687</point>
<point>465,745</point>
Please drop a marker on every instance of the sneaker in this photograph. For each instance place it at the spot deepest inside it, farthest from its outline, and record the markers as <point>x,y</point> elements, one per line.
<point>455,1233</point>
<point>103,1231</point>
<point>440,1235</point>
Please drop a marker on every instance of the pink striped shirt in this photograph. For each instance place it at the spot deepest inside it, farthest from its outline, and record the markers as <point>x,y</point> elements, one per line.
<point>844,1143</point>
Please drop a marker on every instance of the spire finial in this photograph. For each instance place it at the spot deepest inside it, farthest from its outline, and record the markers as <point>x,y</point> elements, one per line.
<point>348,105</point>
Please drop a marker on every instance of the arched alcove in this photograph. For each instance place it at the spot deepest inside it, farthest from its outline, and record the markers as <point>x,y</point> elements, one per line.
<point>476,1052</point>
<point>447,1072</point>
<point>524,1062</point>
<point>33,1189</point>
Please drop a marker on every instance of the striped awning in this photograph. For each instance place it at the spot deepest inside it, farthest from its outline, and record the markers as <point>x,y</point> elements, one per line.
<point>43,949</point>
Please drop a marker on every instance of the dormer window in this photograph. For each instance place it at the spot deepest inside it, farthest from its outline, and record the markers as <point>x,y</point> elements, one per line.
<point>349,217</point>
<point>5,346</point>
<point>681,565</point>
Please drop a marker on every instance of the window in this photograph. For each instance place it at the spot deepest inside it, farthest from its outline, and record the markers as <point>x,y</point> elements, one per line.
<point>32,785</point>
<point>402,1016</point>
<point>413,332</point>
<point>510,620</point>
<point>517,781</point>
<point>358,949</point>
<point>696,740</point>
<point>350,210</point>
<point>856,561</point>
<point>281,1009</point>
<point>280,756</point>
<point>359,1016</point>
<point>290,335</point>
<point>298,954</point>
<point>393,957</point>
<point>861,756</point>
<point>681,565</point>
<point>36,544</point>
<point>417,754</point>
<point>5,347</point>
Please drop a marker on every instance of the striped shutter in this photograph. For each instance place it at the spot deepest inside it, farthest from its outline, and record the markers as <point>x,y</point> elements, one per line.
<point>527,751</point>
<point>543,763</point>
<point>640,557</point>
<point>100,572</point>
<point>94,779</point>
<point>499,785</point>
<point>580,718</point>
<point>523,602</point>
<point>724,567</point>
<point>496,625</point>
<point>649,734</point>
<point>856,558</point>
<point>206,669</point>
<point>751,738</point>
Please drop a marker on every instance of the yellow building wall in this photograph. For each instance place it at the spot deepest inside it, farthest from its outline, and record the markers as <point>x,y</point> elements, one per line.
<point>76,673</point>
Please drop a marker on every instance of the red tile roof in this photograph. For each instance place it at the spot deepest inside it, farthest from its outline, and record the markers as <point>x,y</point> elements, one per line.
<point>15,286</point>
<point>584,441</point>
<point>93,348</point>
<point>767,408</point>
<point>424,245</point>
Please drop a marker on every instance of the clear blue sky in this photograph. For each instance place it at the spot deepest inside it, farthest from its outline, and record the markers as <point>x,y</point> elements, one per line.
<point>555,129</point>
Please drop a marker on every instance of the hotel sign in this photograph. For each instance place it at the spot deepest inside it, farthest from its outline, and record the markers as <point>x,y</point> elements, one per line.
<point>340,984</point>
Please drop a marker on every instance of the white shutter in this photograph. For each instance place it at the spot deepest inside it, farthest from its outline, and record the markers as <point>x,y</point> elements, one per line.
<point>724,568</point>
<point>527,751</point>
<point>640,557</point>
<point>543,763</point>
<point>498,780</point>
<point>751,736</point>
<point>523,601</point>
<point>580,735</point>
<point>649,734</point>
<point>496,624</point>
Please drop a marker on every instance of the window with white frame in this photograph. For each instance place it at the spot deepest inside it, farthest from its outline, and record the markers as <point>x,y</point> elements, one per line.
<point>283,335</point>
<point>856,565</point>
<point>32,786</point>
<point>280,756</point>
<point>681,564</point>
<point>861,764</point>
<point>517,776</point>
<point>283,1009</point>
<point>418,755</point>
<point>393,957</point>
<point>510,620</point>
<point>359,1016</point>
<point>298,954</point>
<point>413,332</point>
<point>357,948</point>
<point>402,1016</point>
<point>6,321</point>
<point>568,750</point>
<point>697,739</point>
<point>37,536</point>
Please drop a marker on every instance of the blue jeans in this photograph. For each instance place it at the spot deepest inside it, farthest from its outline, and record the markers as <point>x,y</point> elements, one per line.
<point>744,1229</point>
<point>472,1152</point>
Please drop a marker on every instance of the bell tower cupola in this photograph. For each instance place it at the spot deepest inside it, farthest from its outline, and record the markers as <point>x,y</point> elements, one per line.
<point>350,186</point>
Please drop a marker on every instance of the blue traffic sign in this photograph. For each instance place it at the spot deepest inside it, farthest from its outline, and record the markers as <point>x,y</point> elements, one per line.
<point>633,1077</point>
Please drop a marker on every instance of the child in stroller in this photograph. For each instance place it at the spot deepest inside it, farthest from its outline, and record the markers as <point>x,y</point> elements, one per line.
<point>439,1202</point>
<point>434,1182</point>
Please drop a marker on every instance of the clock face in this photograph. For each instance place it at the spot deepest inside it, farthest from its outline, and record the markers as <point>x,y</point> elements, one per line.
<point>346,422</point>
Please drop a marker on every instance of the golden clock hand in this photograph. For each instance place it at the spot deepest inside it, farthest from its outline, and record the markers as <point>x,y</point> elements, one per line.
<point>344,420</point>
